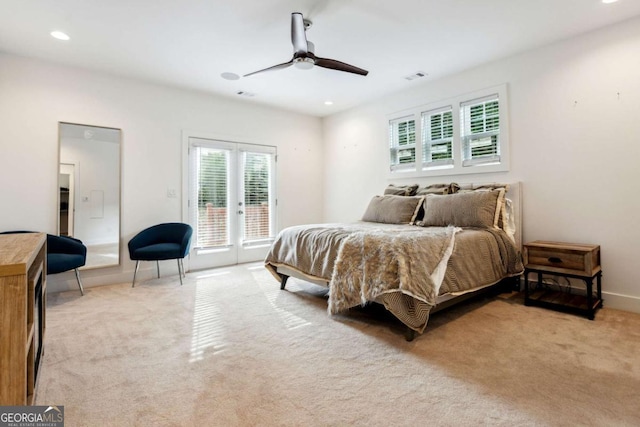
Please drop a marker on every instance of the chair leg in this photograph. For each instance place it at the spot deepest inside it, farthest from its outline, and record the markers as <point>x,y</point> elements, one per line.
<point>158,267</point>
<point>179,271</point>
<point>135,272</point>
<point>79,282</point>
<point>184,274</point>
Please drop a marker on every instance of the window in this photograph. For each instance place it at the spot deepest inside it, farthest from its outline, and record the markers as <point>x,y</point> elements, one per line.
<point>257,180</point>
<point>211,217</point>
<point>480,125</point>
<point>460,135</point>
<point>402,141</point>
<point>437,138</point>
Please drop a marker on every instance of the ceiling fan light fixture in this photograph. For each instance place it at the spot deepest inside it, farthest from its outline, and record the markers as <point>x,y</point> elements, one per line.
<point>304,63</point>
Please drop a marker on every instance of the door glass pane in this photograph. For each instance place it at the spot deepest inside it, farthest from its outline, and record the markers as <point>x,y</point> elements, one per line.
<point>257,197</point>
<point>213,197</point>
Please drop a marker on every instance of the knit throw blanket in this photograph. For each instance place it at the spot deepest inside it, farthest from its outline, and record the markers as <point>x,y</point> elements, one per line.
<point>373,263</point>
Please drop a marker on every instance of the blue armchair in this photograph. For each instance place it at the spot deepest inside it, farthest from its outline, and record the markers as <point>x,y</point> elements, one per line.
<point>161,242</point>
<point>63,254</point>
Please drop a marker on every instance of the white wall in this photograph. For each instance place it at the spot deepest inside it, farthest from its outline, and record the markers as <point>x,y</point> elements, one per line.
<point>35,96</point>
<point>575,146</point>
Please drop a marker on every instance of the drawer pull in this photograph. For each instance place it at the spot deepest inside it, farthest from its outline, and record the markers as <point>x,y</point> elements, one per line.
<point>554,260</point>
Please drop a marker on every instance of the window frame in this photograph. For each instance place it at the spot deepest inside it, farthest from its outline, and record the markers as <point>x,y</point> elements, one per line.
<point>467,135</point>
<point>239,251</point>
<point>423,168</point>
<point>427,141</point>
<point>394,143</point>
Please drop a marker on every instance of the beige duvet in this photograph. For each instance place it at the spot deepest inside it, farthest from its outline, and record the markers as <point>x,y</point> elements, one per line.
<point>404,267</point>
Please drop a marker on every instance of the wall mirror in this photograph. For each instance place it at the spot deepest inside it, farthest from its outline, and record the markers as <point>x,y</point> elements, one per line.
<point>89,190</point>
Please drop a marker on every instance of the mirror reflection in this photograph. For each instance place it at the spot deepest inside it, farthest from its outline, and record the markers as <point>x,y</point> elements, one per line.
<point>89,190</point>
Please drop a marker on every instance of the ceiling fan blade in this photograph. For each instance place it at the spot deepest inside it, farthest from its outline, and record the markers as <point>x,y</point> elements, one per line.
<point>298,37</point>
<point>275,67</point>
<point>340,66</point>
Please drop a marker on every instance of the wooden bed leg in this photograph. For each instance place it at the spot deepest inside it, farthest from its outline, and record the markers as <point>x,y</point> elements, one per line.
<point>283,281</point>
<point>409,334</point>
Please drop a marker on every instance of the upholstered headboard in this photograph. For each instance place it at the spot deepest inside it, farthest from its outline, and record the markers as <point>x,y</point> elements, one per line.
<point>515,195</point>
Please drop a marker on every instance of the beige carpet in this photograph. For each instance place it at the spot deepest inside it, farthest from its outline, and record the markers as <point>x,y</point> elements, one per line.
<point>230,349</point>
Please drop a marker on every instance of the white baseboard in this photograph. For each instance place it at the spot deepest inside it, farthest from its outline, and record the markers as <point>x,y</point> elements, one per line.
<point>621,302</point>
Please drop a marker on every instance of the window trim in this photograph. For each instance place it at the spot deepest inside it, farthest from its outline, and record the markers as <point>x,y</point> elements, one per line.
<point>467,138</point>
<point>427,142</point>
<point>395,146</point>
<point>458,166</point>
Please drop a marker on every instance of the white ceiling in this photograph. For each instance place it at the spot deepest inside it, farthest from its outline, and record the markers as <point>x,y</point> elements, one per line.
<point>190,43</point>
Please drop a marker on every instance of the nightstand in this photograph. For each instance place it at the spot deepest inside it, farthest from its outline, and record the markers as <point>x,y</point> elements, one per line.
<point>568,260</point>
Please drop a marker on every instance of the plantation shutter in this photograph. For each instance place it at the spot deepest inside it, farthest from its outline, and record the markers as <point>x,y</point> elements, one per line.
<point>209,198</point>
<point>402,143</point>
<point>480,130</point>
<point>437,137</point>
<point>258,206</point>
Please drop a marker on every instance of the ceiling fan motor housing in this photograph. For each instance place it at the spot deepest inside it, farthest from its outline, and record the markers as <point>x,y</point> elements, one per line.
<point>304,52</point>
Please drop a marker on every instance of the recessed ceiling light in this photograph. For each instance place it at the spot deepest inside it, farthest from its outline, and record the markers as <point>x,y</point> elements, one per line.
<point>609,1</point>
<point>230,76</point>
<point>328,102</point>
<point>59,35</point>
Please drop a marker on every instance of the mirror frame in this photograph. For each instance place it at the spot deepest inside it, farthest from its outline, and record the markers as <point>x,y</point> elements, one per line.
<point>119,253</point>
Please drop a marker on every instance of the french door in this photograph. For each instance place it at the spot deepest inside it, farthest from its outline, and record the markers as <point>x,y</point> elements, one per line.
<point>231,202</point>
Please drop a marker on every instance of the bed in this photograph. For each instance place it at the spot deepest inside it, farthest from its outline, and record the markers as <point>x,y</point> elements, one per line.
<point>417,250</point>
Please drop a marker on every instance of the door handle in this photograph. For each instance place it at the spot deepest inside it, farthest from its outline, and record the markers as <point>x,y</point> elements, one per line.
<point>240,212</point>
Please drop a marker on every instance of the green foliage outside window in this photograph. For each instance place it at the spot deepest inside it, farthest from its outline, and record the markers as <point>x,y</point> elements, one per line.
<point>212,182</point>
<point>256,179</point>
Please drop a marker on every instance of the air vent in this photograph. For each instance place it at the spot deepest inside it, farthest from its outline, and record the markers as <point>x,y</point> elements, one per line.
<point>243,93</point>
<point>415,75</point>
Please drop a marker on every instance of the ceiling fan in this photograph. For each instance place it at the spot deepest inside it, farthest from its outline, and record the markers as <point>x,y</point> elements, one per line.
<point>303,52</point>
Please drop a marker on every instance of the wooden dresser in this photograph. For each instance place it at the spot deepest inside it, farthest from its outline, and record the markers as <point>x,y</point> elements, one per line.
<point>23,272</point>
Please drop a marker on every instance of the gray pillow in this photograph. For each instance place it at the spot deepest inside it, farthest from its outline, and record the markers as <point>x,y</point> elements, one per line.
<point>401,190</point>
<point>465,188</point>
<point>438,189</point>
<point>391,209</point>
<point>487,186</point>
<point>473,209</point>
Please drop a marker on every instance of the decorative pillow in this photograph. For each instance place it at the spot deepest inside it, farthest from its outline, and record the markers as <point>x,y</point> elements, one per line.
<point>486,186</point>
<point>435,189</point>
<point>502,218</point>
<point>392,209</point>
<point>438,189</point>
<point>473,209</point>
<point>401,190</point>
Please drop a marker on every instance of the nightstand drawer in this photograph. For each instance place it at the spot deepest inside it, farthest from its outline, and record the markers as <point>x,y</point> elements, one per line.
<point>568,258</point>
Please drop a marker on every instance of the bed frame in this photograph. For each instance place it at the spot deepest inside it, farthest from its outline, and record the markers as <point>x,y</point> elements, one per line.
<point>448,300</point>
